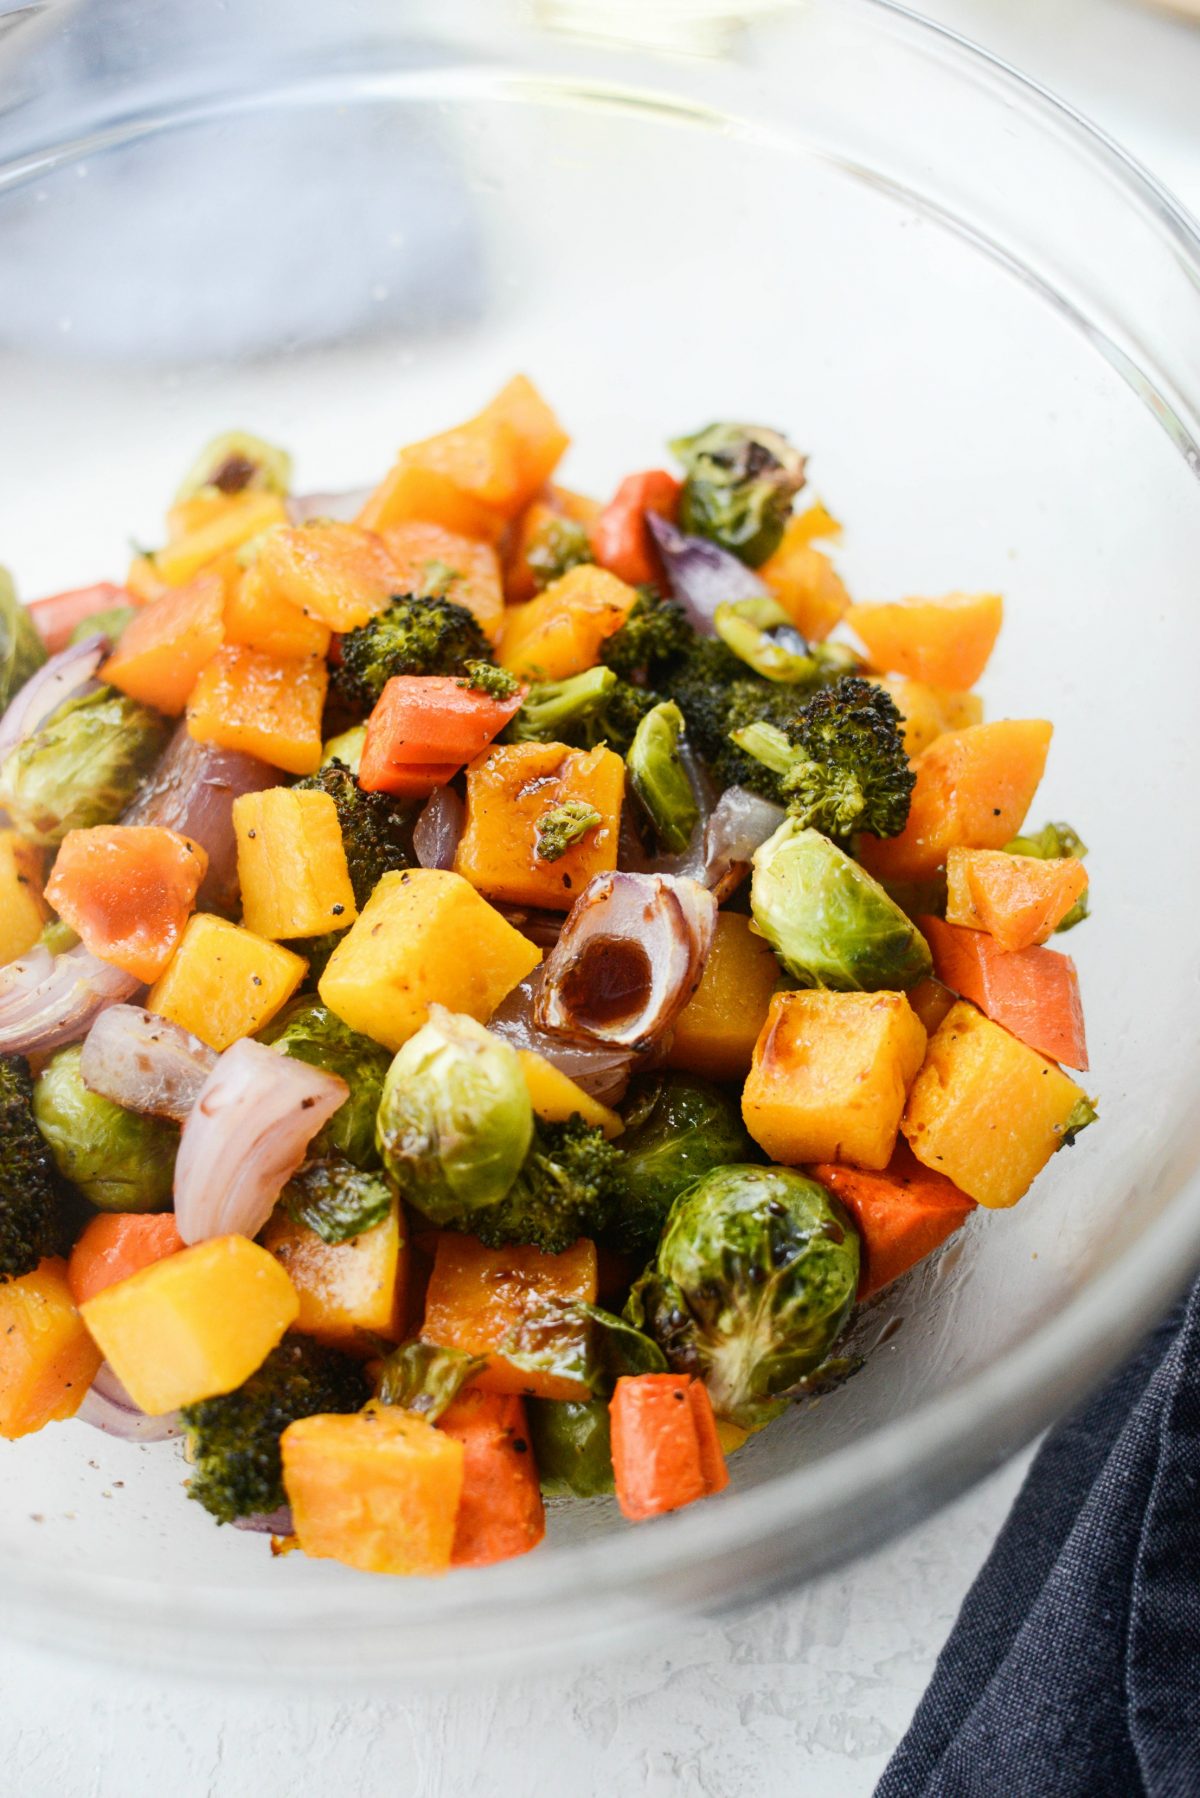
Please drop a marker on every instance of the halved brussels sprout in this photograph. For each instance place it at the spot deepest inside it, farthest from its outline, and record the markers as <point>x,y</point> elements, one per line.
<point>572,1447</point>
<point>677,1129</point>
<point>761,634</point>
<point>421,1377</point>
<point>82,766</point>
<point>455,1120</point>
<point>753,1281</point>
<point>22,651</point>
<point>120,1160</point>
<point>309,1031</point>
<point>659,778</point>
<point>828,921</point>
<point>741,481</point>
<point>235,461</point>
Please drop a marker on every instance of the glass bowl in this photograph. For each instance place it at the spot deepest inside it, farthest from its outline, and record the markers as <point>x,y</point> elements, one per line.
<point>984,323</point>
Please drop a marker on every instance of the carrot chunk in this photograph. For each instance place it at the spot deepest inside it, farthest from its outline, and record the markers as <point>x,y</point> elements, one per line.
<point>424,728</point>
<point>665,1449</point>
<point>621,540</point>
<point>500,1513</point>
<point>116,1245</point>
<point>127,890</point>
<point>1032,992</point>
<point>903,1213</point>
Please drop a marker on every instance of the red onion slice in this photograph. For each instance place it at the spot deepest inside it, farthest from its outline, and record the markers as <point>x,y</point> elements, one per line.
<point>438,830</point>
<point>192,791</point>
<point>740,823</point>
<point>630,955</point>
<point>48,1000</point>
<point>344,506</point>
<point>56,681</point>
<point>268,1523</point>
<point>108,1407</point>
<point>245,1137</point>
<point>598,1069</point>
<point>702,574</point>
<point>145,1063</point>
<point>541,927</point>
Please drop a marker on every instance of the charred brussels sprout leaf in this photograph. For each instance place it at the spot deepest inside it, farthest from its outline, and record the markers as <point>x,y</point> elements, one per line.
<point>1084,1113</point>
<point>421,1377</point>
<point>572,1446</point>
<point>761,634</point>
<point>677,1129</point>
<point>336,1199</point>
<point>828,921</point>
<point>235,462</point>
<point>581,1342</point>
<point>455,1120</point>
<point>753,1281</point>
<point>309,1031</point>
<point>659,778</point>
<point>22,651</point>
<point>740,483</point>
<point>111,623</point>
<point>119,1160</point>
<point>82,766</point>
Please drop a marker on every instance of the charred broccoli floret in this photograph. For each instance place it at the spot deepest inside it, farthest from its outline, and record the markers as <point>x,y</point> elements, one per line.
<point>233,1440</point>
<point>655,633</point>
<point>718,696</point>
<point>582,711</point>
<point>485,677</point>
<point>30,1205</point>
<point>559,545</point>
<point>563,826</point>
<point>568,1186</point>
<point>840,760</point>
<point>412,636</point>
<point>376,831</point>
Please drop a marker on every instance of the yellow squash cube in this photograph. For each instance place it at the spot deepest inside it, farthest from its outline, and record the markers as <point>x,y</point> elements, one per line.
<point>929,712</point>
<point>510,789</point>
<point>555,1096</point>
<point>986,1110</point>
<point>424,936</point>
<point>344,1288</point>
<point>47,1358</point>
<point>829,1077</point>
<point>561,631</point>
<point>717,1029</point>
<point>378,1489</point>
<point>805,582</point>
<point>22,908</point>
<point>224,982</point>
<point>195,1324</point>
<point>256,617</point>
<point>230,524</point>
<point>291,864</point>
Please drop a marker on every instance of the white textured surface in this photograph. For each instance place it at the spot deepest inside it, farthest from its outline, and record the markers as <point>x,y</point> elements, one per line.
<point>806,1695</point>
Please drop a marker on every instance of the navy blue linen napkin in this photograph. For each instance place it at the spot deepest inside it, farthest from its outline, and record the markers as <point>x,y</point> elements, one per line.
<point>1073,1670</point>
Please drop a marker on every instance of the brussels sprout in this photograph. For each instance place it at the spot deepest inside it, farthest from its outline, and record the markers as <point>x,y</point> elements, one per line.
<point>577,1341</point>
<point>82,766</point>
<point>741,481</point>
<point>346,748</point>
<point>309,1031</point>
<point>120,1160</point>
<point>677,1129</point>
<point>22,651</point>
<point>421,1377</point>
<point>761,634</point>
<point>112,623</point>
<point>235,461</point>
<point>455,1120</point>
<point>828,921</point>
<point>337,1200</point>
<point>572,1446</point>
<point>659,778</point>
<point>753,1280</point>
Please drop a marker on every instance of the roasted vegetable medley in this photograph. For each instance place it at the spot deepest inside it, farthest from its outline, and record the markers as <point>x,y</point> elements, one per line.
<point>489,980</point>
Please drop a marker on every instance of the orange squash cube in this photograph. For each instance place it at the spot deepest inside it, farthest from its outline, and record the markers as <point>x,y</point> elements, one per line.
<point>414,490</point>
<point>378,1490</point>
<point>929,712</point>
<point>717,1029</point>
<point>268,706</point>
<point>805,583</point>
<point>292,864</point>
<point>258,617</point>
<point>23,910</point>
<point>1018,899</point>
<point>48,1360</point>
<point>127,891</point>
<point>561,632</point>
<point>349,1291</point>
<point>985,1110</point>
<point>944,642</point>
<point>510,789</point>
<point>430,560</point>
<point>224,982</point>
<point>973,790</point>
<point>169,641</point>
<point>539,441</point>
<point>830,1075</point>
<point>225,527</point>
<point>555,1096</point>
<point>477,1295</point>
<point>339,573</point>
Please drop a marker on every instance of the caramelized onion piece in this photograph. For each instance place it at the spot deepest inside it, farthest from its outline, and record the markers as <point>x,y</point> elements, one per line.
<point>48,1000</point>
<point>192,791</point>
<point>629,957</point>
<point>598,1069</point>
<point>144,1062</point>
<point>439,828</point>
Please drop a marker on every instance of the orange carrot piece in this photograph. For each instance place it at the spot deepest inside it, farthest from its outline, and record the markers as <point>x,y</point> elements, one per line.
<point>500,1513</point>
<point>57,615</point>
<point>1032,992</point>
<point>269,706</point>
<point>902,1214</point>
<point>621,540</point>
<point>424,728</point>
<point>665,1449</point>
<point>1016,898</point>
<point>127,890</point>
<point>163,649</point>
<point>118,1244</point>
<point>477,1295</point>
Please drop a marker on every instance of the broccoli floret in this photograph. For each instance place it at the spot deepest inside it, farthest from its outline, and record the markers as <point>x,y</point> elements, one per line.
<point>559,545</point>
<point>655,633</point>
<point>233,1441</point>
<point>568,1187</point>
<point>582,711</point>
<point>31,1219</point>
<point>562,826</point>
<point>840,760</point>
<point>485,677</point>
<point>376,831</point>
<point>413,636</point>
<point>717,696</point>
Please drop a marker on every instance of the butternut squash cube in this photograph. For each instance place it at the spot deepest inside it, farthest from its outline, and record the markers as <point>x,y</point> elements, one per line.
<point>418,487</point>
<point>555,1096</point>
<point>291,864</point>
<point>929,712</point>
<point>378,1489</point>
<point>223,982</point>
<point>829,1077</point>
<point>47,1358</point>
<point>268,706</point>
<point>986,1110</point>
<point>424,935</point>
<point>510,789</point>
<point>344,1288</point>
<point>226,527</point>
<point>476,1295</point>
<point>805,582</point>
<point>561,631</point>
<point>945,642</point>
<point>1018,899</point>
<point>168,642</point>
<point>717,1029</point>
<point>257,616</point>
<point>339,573</point>
<point>429,559</point>
<point>538,439</point>
<point>23,911</point>
<point>195,1324</point>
